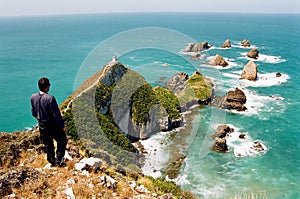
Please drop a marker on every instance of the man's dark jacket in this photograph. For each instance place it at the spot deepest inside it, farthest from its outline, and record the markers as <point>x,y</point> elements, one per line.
<point>45,109</point>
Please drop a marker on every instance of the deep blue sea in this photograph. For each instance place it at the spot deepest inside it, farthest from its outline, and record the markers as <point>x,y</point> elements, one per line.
<point>61,48</point>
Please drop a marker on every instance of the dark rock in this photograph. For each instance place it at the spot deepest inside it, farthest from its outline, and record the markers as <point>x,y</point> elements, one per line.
<point>253,53</point>
<point>250,71</point>
<point>245,43</point>
<point>218,60</point>
<point>226,44</point>
<point>5,188</point>
<point>258,146</point>
<point>234,100</point>
<point>278,74</point>
<point>222,131</point>
<point>219,145</point>
<point>242,136</point>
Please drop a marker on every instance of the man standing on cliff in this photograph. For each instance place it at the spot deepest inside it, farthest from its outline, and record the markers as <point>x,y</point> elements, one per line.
<point>51,125</point>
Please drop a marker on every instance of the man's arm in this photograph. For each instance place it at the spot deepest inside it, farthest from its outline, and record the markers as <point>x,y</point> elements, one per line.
<point>33,107</point>
<point>56,113</point>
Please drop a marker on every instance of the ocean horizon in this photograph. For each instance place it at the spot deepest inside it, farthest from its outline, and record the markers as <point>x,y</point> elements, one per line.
<point>57,47</point>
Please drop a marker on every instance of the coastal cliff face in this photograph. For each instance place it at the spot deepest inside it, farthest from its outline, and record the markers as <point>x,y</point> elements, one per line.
<point>116,107</point>
<point>139,110</point>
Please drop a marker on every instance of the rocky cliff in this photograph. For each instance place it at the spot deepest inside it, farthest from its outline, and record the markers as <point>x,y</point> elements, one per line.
<point>120,107</point>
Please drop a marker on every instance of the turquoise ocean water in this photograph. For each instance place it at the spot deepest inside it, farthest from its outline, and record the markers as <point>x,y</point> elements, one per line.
<point>55,46</point>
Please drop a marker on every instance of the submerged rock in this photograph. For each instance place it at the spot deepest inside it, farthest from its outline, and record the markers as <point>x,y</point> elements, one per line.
<point>253,53</point>
<point>218,60</point>
<point>250,71</point>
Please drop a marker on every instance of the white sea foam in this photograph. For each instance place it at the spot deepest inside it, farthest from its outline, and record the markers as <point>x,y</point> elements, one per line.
<point>132,58</point>
<point>157,155</point>
<point>243,147</point>
<point>218,48</point>
<point>259,105</point>
<point>239,46</point>
<point>263,80</point>
<point>179,180</point>
<point>265,58</point>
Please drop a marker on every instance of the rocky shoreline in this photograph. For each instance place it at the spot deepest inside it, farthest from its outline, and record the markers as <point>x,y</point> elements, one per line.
<point>25,173</point>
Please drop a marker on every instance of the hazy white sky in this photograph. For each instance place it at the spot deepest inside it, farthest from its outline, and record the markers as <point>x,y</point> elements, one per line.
<point>46,7</point>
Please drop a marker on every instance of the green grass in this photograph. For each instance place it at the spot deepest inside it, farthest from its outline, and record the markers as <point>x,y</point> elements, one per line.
<point>197,88</point>
<point>169,101</point>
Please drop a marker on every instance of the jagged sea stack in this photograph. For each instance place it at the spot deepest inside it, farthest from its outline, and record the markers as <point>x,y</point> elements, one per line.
<point>218,60</point>
<point>245,43</point>
<point>234,100</point>
<point>250,71</point>
<point>226,44</point>
<point>253,53</point>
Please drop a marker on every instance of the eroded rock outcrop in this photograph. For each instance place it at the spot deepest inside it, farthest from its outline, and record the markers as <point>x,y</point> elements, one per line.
<point>197,47</point>
<point>245,43</point>
<point>226,44</point>
<point>234,100</point>
<point>250,71</point>
<point>222,131</point>
<point>177,82</point>
<point>218,60</point>
<point>253,53</point>
<point>219,145</point>
<point>113,73</point>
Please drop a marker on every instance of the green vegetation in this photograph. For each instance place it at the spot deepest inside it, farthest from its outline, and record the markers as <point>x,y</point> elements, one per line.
<point>201,86</point>
<point>197,88</point>
<point>169,101</point>
<point>99,131</point>
<point>103,95</point>
<point>90,115</point>
<point>142,101</point>
<point>70,125</point>
<point>160,185</point>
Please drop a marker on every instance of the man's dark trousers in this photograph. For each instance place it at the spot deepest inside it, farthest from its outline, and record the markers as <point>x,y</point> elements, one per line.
<point>47,134</point>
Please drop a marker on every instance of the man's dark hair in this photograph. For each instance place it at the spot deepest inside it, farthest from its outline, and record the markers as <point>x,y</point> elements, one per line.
<point>43,83</point>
